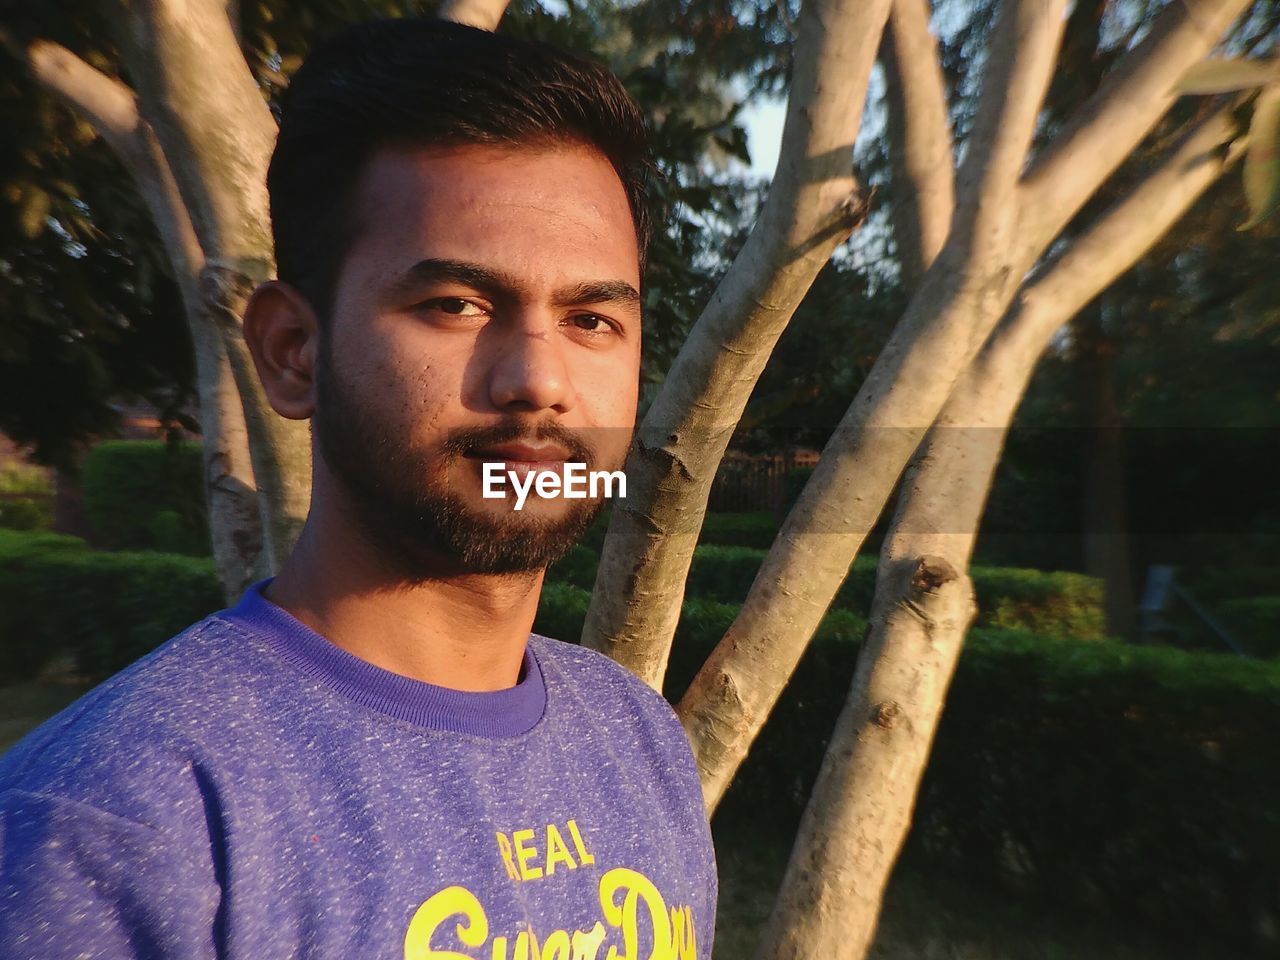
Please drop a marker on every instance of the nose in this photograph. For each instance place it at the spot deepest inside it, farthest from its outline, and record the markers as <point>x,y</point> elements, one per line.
<point>530,372</point>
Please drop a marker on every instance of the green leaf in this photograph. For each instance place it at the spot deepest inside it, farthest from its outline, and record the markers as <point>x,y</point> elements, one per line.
<point>1223,75</point>
<point>1262,161</point>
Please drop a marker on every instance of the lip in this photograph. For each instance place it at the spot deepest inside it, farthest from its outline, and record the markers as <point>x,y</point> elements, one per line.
<point>523,453</point>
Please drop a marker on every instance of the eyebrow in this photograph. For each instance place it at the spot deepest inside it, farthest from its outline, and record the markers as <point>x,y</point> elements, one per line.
<point>495,282</point>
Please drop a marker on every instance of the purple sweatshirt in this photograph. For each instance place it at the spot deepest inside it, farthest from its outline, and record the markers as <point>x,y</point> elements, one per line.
<point>252,791</point>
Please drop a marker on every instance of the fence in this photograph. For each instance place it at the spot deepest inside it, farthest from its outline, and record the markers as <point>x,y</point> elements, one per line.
<point>746,483</point>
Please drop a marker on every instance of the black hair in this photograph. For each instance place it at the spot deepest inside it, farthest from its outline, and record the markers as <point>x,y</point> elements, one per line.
<point>421,82</point>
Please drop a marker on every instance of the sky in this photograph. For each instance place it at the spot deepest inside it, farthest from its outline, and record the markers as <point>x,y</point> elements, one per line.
<point>763,122</point>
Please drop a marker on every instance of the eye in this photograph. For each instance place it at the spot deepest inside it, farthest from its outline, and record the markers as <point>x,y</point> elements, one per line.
<point>591,323</point>
<point>455,307</point>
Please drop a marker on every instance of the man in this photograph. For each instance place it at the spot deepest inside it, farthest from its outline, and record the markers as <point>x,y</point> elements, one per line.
<point>370,755</point>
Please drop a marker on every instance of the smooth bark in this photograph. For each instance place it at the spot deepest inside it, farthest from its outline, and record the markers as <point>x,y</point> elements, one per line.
<point>812,206</point>
<point>231,490</point>
<point>212,123</point>
<point>830,897</point>
<point>1111,124</point>
<point>962,297</point>
<point>920,146</point>
<point>860,810</point>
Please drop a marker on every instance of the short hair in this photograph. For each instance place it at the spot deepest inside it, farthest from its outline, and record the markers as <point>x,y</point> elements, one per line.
<point>422,82</point>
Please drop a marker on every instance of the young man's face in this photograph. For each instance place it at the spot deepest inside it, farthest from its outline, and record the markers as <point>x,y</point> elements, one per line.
<point>487,310</point>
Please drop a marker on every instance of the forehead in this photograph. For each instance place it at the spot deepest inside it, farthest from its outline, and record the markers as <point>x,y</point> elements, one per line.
<point>548,213</point>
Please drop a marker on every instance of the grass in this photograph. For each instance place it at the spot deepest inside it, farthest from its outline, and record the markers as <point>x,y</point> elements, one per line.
<point>24,706</point>
<point>924,917</point>
<point>933,918</point>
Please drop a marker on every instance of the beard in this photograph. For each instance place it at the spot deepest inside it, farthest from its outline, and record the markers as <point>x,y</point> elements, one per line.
<point>401,497</point>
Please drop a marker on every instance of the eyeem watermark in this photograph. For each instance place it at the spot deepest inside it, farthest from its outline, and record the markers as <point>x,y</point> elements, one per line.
<point>577,483</point>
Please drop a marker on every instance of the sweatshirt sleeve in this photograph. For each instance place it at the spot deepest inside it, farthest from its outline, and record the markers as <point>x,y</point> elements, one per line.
<point>79,883</point>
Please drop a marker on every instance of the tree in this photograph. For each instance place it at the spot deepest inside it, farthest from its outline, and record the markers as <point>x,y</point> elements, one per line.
<point>997,251</point>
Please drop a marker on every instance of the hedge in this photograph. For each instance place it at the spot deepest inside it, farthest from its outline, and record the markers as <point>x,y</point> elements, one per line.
<point>104,609</point>
<point>26,498</point>
<point>1049,603</point>
<point>146,495</point>
<point>1256,623</point>
<point>1133,781</point>
<point>1137,782</point>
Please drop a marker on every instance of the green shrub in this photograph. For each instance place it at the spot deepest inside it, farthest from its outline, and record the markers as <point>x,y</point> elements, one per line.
<point>1054,604</point>
<point>562,610</point>
<point>146,495</point>
<point>26,513</point>
<point>1211,584</point>
<point>1255,622</point>
<point>578,567</point>
<point>105,609</point>
<point>1130,781</point>
<point>26,498</point>
<point>739,529</point>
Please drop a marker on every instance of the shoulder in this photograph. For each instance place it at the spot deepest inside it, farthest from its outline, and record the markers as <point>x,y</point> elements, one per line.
<point>130,746</point>
<point>607,695</point>
<point>592,672</point>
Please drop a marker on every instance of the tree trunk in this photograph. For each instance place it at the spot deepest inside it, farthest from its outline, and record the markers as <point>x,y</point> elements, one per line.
<point>860,808</point>
<point>813,205</point>
<point>859,814</point>
<point>1107,553</point>
<point>962,297</point>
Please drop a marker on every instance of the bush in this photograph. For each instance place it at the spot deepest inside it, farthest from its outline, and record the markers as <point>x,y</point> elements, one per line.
<point>1052,604</point>
<point>1255,622</point>
<point>147,495</point>
<point>1129,781</point>
<point>26,498</point>
<point>105,609</point>
<point>1132,781</point>
<point>577,568</point>
<point>1135,782</point>
<point>739,529</point>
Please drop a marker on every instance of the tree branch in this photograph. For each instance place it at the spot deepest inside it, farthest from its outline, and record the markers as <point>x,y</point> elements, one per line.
<point>963,296</point>
<point>484,14</point>
<point>1111,123</point>
<point>850,834</point>
<point>1023,53</point>
<point>812,206</point>
<point>217,134</point>
<point>202,100</point>
<point>920,139</point>
<point>112,110</point>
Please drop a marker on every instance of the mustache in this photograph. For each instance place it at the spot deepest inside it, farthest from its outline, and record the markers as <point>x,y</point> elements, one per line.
<point>464,440</point>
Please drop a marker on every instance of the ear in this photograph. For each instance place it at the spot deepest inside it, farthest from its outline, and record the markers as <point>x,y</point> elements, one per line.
<point>282,332</point>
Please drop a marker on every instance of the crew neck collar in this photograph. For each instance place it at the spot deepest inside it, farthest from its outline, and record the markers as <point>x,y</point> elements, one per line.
<point>500,713</point>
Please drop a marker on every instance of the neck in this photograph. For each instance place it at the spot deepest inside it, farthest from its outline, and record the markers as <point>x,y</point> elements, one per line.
<point>461,631</point>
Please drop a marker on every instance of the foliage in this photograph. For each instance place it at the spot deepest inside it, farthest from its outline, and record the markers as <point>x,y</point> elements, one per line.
<point>1130,783</point>
<point>1125,781</point>
<point>739,529</point>
<point>104,609</point>
<point>26,498</point>
<point>1261,169</point>
<point>578,568</point>
<point>1255,622</point>
<point>146,495</point>
<point>1051,604</point>
<point>92,316</point>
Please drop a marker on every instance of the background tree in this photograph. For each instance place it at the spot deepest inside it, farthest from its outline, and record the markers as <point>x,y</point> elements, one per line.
<point>996,252</point>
